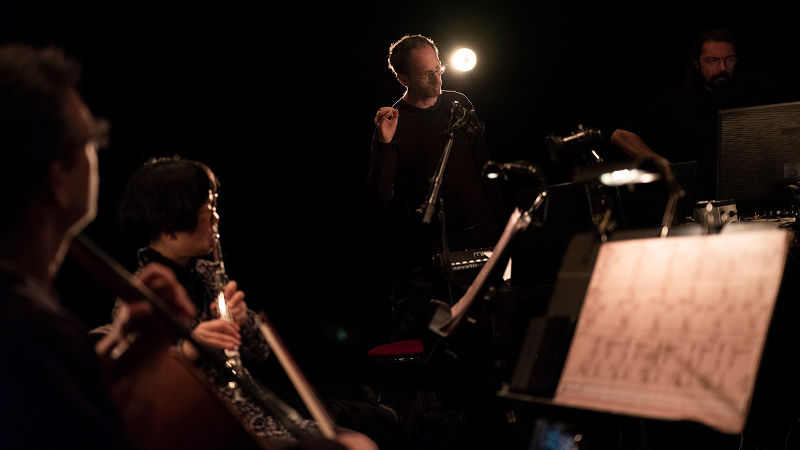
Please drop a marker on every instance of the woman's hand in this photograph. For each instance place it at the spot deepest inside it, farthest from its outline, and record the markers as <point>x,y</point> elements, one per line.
<point>218,333</point>
<point>234,301</point>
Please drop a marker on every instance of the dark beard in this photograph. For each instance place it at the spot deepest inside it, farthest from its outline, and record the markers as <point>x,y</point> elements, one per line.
<point>719,81</point>
<point>429,91</point>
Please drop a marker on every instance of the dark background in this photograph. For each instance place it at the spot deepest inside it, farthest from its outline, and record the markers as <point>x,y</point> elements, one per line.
<point>279,101</point>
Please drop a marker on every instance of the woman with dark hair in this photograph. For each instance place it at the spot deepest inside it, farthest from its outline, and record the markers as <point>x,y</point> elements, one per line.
<point>169,207</point>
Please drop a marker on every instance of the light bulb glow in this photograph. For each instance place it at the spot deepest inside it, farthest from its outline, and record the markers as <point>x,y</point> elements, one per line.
<point>463,59</point>
<point>628,176</point>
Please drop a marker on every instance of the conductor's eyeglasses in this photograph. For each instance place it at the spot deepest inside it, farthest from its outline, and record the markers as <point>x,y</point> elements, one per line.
<point>714,61</point>
<point>431,73</point>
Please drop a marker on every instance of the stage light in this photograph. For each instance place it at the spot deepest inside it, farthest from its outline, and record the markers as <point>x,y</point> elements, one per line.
<point>628,176</point>
<point>492,170</point>
<point>463,59</point>
<point>643,170</point>
<point>623,173</point>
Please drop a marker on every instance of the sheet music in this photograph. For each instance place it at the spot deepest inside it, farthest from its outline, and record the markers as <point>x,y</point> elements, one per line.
<point>674,328</point>
<point>507,271</point>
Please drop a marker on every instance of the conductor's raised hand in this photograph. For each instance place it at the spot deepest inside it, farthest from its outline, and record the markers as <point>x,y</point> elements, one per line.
<point>386,122</point>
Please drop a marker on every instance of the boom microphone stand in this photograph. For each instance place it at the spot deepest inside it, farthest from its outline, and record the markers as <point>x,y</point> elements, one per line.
<point>458,118</point>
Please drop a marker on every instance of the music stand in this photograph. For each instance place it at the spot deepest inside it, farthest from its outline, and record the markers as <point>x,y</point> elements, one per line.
<point>639,340</point>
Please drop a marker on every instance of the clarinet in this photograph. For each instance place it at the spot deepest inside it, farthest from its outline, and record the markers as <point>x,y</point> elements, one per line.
<point>234,360</point>
<point>120,281</point>
<point>290,418</point>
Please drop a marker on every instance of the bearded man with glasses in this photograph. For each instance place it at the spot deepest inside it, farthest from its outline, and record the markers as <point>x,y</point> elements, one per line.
<point>681,125</point>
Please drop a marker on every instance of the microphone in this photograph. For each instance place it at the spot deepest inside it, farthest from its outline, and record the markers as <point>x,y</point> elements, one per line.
<point>493,170</point>
<point>456,104</point>
<point>456,114</point>
<point>575,146</point>
<point>582,135</point>
<point>461,118</point>
<point>474,127</point>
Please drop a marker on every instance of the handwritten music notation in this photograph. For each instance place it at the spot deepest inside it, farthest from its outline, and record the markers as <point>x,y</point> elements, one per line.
<point>674,328</point>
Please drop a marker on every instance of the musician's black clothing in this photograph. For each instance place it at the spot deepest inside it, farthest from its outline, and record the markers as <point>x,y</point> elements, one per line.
<point>399,182</point>
<point>681,125</point>
<point>52,394</point>
<point>401,171</point>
